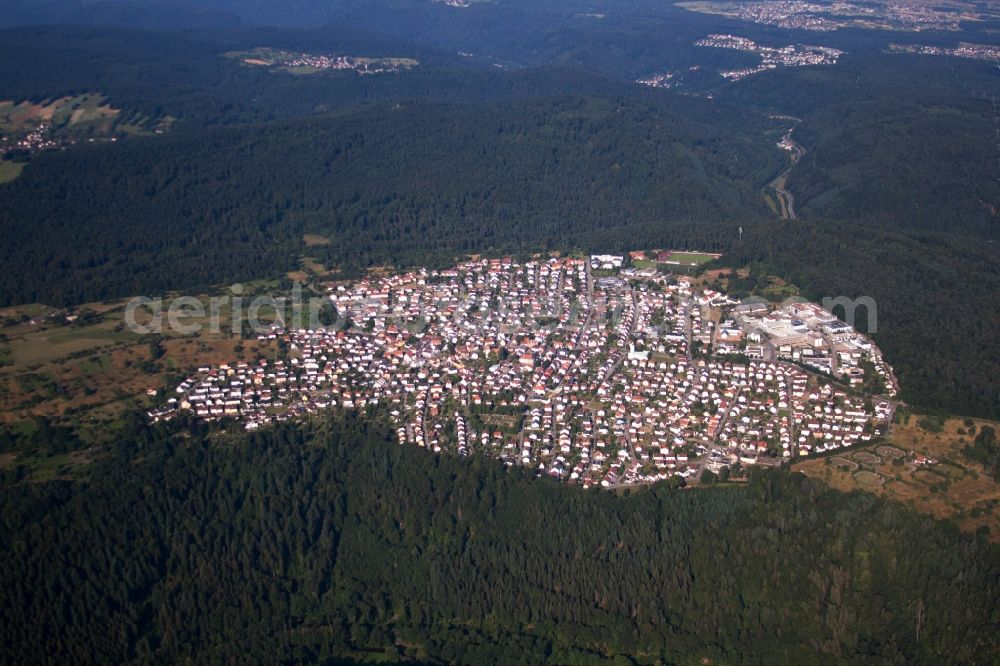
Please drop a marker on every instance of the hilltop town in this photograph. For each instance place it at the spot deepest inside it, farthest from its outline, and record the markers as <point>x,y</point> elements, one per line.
<point>310,63</point>
<point>804,15</point>
<point>985,52</point>
<point>793,55</point>
<point>592,371</point>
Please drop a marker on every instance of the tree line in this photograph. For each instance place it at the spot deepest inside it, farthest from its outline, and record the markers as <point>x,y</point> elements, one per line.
<point>330,542</point>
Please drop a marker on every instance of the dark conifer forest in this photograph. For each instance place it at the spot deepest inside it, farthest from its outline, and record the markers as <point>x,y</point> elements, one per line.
<point>327,541</point>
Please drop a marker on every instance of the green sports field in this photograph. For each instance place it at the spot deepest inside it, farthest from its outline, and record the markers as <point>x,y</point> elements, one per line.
<point>692,258</point>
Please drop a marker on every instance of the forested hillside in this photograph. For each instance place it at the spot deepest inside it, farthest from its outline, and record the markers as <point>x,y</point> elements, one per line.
<point>398,183</point>
<point>882,165</point>
<point>306,543</point>
<point>903,142</point>
<point>889,172</point>
<point>184,74</point>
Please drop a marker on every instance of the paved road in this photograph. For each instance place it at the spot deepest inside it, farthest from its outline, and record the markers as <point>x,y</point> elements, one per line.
<point>786,200</point>
<point>687,327</point>
<point>725,417</point>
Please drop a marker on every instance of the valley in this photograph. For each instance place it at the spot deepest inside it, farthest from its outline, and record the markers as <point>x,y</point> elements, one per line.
<point>786,200</point>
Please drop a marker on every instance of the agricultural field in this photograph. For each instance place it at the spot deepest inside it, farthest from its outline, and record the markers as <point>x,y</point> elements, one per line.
<point>315,240</point>
<point>27,127</point>
<point>10,170</point>
<point>85,369</point>
<point>88,113</point>
<point>952,487</point>
<point>89,367</point>
<point>37,469</point>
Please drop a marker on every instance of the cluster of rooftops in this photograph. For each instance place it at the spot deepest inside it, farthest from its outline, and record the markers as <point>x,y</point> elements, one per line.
<point>540,364</point>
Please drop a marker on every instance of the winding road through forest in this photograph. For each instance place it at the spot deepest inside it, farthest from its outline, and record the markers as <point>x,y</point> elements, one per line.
<point>786,200</point>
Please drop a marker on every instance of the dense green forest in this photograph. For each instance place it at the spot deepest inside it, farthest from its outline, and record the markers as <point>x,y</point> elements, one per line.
<point>185,76</point>
<point>307,543</point>
<point>395,183</point>
<point>985,449</point>
<point>907,177</point>
<point>888,172</point>
<point>904,142</point>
